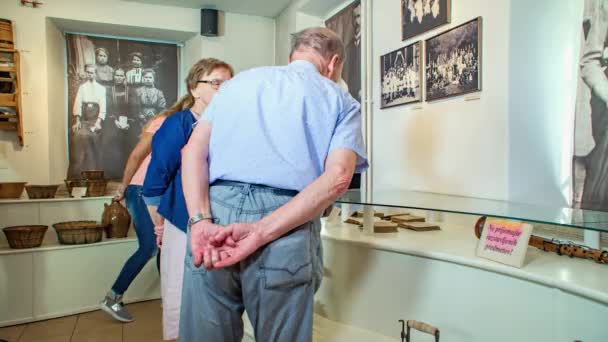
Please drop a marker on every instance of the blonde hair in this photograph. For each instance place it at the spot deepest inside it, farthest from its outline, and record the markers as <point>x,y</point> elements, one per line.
<point>201,68</point>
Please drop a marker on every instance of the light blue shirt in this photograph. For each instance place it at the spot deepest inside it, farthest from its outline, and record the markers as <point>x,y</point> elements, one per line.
<point>275,126</point>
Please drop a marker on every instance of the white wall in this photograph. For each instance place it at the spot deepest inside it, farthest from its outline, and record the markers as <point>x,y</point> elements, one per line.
<point>248,41</point>
<point>447,146</point>
<point>515,141</point>
<point>44,159</point>
<point>290,21</point>
<point>543,79</point>
<point>57,95</point>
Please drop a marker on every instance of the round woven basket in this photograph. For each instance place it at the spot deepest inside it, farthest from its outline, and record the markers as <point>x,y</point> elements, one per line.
<point>78,232</point>
<point>25,236</point>
<point>96,187</point>
<point>41,191</point>
<point>92,174</point>
<point>74,183</point>
<point>11,189</point>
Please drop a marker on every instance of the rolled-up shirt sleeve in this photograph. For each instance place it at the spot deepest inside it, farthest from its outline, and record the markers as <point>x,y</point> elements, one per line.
<point>348,133</point>
<point>165,160</point>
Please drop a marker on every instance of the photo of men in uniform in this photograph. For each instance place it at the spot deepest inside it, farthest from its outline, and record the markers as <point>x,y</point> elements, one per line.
<point>347,24</point>
<point>590,162</point>
<point>420,16</point>
<point>453,61</point>
<point>400,76</point>
<point>114,87</point>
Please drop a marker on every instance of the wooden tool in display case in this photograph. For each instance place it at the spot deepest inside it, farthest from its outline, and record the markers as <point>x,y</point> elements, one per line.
<point>380,226</point>
<point>554,246</point>
<point>390,223</point>
<point>419,226</point>
<point>407,326</point>
<point>407,218</point>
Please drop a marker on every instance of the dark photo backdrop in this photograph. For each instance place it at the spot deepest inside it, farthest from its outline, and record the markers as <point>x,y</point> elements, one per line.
<point>114,87</point>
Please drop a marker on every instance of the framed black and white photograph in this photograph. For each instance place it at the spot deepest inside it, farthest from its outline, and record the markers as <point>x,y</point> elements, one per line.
<point>401,75</point>
<point>347,25</point>
<point>114,87</point>
<point>453,61</point>
<point>590,159</point>
<point>420,16</point>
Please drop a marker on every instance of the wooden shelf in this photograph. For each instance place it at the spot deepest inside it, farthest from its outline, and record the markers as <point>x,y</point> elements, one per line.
<point>8,100</point>
<point>13,100</point>
<point>8,126</point>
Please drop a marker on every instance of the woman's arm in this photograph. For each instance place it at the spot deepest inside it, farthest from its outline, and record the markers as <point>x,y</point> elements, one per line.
<point>137,156</point>
<point>165,160</point>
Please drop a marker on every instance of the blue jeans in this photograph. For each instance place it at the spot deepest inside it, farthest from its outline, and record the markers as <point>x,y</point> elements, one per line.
<point>275,284</point>
<point>145,236</point>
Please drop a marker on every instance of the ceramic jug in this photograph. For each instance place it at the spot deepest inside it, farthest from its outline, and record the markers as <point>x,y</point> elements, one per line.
<point>116,220</point>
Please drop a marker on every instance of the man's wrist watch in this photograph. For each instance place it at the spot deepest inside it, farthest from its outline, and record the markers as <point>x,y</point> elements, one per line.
<point>199,217</point>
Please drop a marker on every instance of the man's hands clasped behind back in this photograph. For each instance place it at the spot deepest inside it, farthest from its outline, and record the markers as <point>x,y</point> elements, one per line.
<point>215,246</point>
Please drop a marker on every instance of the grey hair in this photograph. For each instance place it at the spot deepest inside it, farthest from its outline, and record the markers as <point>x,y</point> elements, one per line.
<point>323,41</point>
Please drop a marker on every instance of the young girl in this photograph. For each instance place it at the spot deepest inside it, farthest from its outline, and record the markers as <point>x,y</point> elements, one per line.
<point>131,189</point>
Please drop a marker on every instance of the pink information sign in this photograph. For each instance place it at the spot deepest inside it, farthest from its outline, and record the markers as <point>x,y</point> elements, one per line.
<point>504,241</point>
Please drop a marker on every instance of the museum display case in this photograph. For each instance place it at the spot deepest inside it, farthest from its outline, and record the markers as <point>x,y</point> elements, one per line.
<point>375,277</point>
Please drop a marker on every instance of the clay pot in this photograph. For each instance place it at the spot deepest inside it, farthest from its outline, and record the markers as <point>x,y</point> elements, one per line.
<point>117,220</point>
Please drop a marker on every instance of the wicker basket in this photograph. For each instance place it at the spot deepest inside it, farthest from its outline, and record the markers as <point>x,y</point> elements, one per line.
<point>11,190</point>
<point>74,183</point>
<point>78,232</point>
<point>92,174</point>
<point>41,191</point>
<point>96,187</point>
<point>25,236</point>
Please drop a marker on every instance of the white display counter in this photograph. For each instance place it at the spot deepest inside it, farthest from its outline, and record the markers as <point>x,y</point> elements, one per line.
<point>372,281</point>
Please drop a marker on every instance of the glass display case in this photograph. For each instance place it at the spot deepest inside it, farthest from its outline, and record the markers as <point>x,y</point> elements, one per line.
<point>374,277</point>
<point>565,231</point>
<point>544,214</point>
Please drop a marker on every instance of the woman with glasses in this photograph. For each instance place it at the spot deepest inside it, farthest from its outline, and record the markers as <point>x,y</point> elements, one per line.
<point>163,184</point>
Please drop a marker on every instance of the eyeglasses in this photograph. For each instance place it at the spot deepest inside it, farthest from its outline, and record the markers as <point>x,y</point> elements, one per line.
<point>214,83</point>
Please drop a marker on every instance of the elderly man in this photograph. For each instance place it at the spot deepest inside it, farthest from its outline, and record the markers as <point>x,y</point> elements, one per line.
<point>278,145</point>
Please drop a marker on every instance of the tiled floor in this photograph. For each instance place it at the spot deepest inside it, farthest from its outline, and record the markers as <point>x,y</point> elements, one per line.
<point>92,327</point>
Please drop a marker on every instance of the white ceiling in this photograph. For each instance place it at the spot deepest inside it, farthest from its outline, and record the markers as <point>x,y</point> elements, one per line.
<point>264,8</point>
<point>320,8</point>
